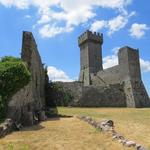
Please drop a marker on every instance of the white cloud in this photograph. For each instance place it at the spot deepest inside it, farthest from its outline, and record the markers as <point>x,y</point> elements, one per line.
<point>98,25</point>
<point>145,65</point>
<point>57,75</point>
<point>115,50</point>
<point>112,60</point>
<point>21,4</point>
<point>27,16</point>
<point>68,13</point>
<point>117,23</point>
<point>114,24</point>
<point>138,30</point>
<point>48,31</point>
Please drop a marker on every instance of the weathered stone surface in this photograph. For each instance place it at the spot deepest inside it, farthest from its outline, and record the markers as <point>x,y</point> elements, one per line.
<point>90,55</point>
<point>6,127</point>
<point>1,131</point>
<point>95,96</point>
<point>42,116</point>
<point>27,119</point>
<point>31,98</point>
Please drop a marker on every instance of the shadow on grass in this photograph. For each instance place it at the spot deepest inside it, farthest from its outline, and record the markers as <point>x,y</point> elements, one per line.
<point>32,128</point>
<point>39,126</point>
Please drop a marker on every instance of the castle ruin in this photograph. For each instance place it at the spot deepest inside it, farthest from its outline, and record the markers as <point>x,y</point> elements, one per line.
<point>118,86</point>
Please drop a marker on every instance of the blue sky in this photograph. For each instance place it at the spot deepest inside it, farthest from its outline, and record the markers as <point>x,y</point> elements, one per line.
<point>56,25</point>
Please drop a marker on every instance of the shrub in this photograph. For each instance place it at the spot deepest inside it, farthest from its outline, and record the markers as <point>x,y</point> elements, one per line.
<point>14,75</point>
<point>61,96</point>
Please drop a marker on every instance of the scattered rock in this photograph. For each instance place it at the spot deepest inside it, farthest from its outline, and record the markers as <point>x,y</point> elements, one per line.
<point>108,125</point>
<point>139,147</point>
<point>105,125</point>
<point>118,137</point>
<point>6,127</point>
<point>128,143</point>
<point>18,126</point>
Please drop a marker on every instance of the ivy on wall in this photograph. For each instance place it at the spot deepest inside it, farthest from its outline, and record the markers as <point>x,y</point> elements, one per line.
<point>14,75</point>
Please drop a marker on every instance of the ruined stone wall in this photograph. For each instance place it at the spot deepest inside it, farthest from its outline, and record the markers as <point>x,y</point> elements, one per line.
<point>103,96</point>
<point>95,96</point>
<point>136,95</point>
<point>128,74</point>
<point>107,76</point>
<point>31,98</point>
<point>75,88</point>
<point>128,69</point>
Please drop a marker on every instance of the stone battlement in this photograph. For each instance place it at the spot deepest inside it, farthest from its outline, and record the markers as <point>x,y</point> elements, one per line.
<point>90,36</point>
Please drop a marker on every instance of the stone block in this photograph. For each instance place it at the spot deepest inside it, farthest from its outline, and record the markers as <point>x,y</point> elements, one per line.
<point>28,119</point>
<point>42,116</point>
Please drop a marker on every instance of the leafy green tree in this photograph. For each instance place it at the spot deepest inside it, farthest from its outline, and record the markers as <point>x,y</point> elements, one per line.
<point>14,75</point>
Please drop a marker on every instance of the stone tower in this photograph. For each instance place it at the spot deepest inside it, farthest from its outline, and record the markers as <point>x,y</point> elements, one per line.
<point>136,94</point>
<point>90,55</point>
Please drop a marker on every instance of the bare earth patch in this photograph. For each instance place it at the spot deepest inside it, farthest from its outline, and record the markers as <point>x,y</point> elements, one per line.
<point>74,134</point>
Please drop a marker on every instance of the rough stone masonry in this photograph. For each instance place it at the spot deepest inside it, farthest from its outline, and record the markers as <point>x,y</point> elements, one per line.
<point>29,101</point>
<point>118,86</point>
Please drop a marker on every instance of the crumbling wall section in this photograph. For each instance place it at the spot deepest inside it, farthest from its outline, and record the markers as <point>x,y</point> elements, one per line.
<point>107,76</point>
<point>31,98</point>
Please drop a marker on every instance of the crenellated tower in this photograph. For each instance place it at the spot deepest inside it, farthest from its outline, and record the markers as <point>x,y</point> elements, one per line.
<point>90,55</point>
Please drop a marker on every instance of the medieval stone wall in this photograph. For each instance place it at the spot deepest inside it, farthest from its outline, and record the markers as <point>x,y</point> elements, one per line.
<point>95,96</point>
<point>103,96</point>
<point>75,89</point>
<point>31,98</point>
<point>107,76</point>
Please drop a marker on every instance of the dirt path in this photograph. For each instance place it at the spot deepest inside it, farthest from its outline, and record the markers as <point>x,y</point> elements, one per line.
<point>59,134</point>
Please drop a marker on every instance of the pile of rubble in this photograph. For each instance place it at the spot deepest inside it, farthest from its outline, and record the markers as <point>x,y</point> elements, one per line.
<point>108,126</point>
<point>6,127</point>
<point>9,125</point>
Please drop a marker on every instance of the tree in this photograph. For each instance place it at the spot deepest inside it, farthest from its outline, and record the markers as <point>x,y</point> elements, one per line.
<point>14,75</point>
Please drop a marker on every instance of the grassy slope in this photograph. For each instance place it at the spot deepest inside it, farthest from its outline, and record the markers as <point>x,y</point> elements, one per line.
<point>73,134</point>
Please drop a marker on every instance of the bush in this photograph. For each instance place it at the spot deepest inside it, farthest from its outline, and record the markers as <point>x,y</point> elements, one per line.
<point>14,75</point>
<point>61,96</point>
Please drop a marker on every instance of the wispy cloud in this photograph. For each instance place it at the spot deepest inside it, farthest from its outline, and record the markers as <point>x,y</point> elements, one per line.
<point>55,16</point>
<point>27,16</point>
<point>98,25</point>
<point>138,30</point>
<point>57,74</point>
<point>145,65</point>
<point>48,31</point>
<point>114,24</point>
